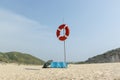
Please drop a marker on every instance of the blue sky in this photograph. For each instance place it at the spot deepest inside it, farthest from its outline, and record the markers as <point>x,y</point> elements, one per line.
<point>29,26</point>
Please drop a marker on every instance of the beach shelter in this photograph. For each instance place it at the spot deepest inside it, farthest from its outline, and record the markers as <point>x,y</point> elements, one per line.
<point>58,65</point>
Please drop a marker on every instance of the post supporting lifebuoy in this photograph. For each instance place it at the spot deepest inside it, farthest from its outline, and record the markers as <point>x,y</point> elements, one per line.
<point>66,32</point>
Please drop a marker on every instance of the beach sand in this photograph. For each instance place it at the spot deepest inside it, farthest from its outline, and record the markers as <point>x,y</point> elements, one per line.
<point>106,71</point>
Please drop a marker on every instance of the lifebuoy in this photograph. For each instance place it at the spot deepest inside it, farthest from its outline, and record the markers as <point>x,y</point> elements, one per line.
<point>66,30</point>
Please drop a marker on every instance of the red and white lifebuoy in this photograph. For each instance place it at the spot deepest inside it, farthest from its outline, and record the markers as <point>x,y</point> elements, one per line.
<point>66,30</point>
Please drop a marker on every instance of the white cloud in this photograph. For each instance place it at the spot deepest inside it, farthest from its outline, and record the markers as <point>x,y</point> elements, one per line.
<point>12,22</point>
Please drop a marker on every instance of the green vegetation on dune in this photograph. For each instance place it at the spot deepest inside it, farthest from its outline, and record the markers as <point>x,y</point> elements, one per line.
<point>20,58</point>
<point>110,56</point>
<point>107,57</point>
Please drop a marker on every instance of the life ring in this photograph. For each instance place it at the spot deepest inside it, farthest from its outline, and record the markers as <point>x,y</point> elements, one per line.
<point>66,34</point>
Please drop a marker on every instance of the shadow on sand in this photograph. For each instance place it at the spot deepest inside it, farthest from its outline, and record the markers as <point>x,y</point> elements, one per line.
<point>31,69</point>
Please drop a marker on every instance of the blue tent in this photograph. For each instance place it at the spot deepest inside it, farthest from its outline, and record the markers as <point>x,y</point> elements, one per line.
<point>58,65</point>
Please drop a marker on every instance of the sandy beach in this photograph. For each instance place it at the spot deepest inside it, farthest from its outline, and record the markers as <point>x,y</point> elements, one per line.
<point>106,71</point>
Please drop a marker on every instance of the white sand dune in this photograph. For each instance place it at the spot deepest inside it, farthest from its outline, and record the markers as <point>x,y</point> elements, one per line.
<point>106,71</point>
